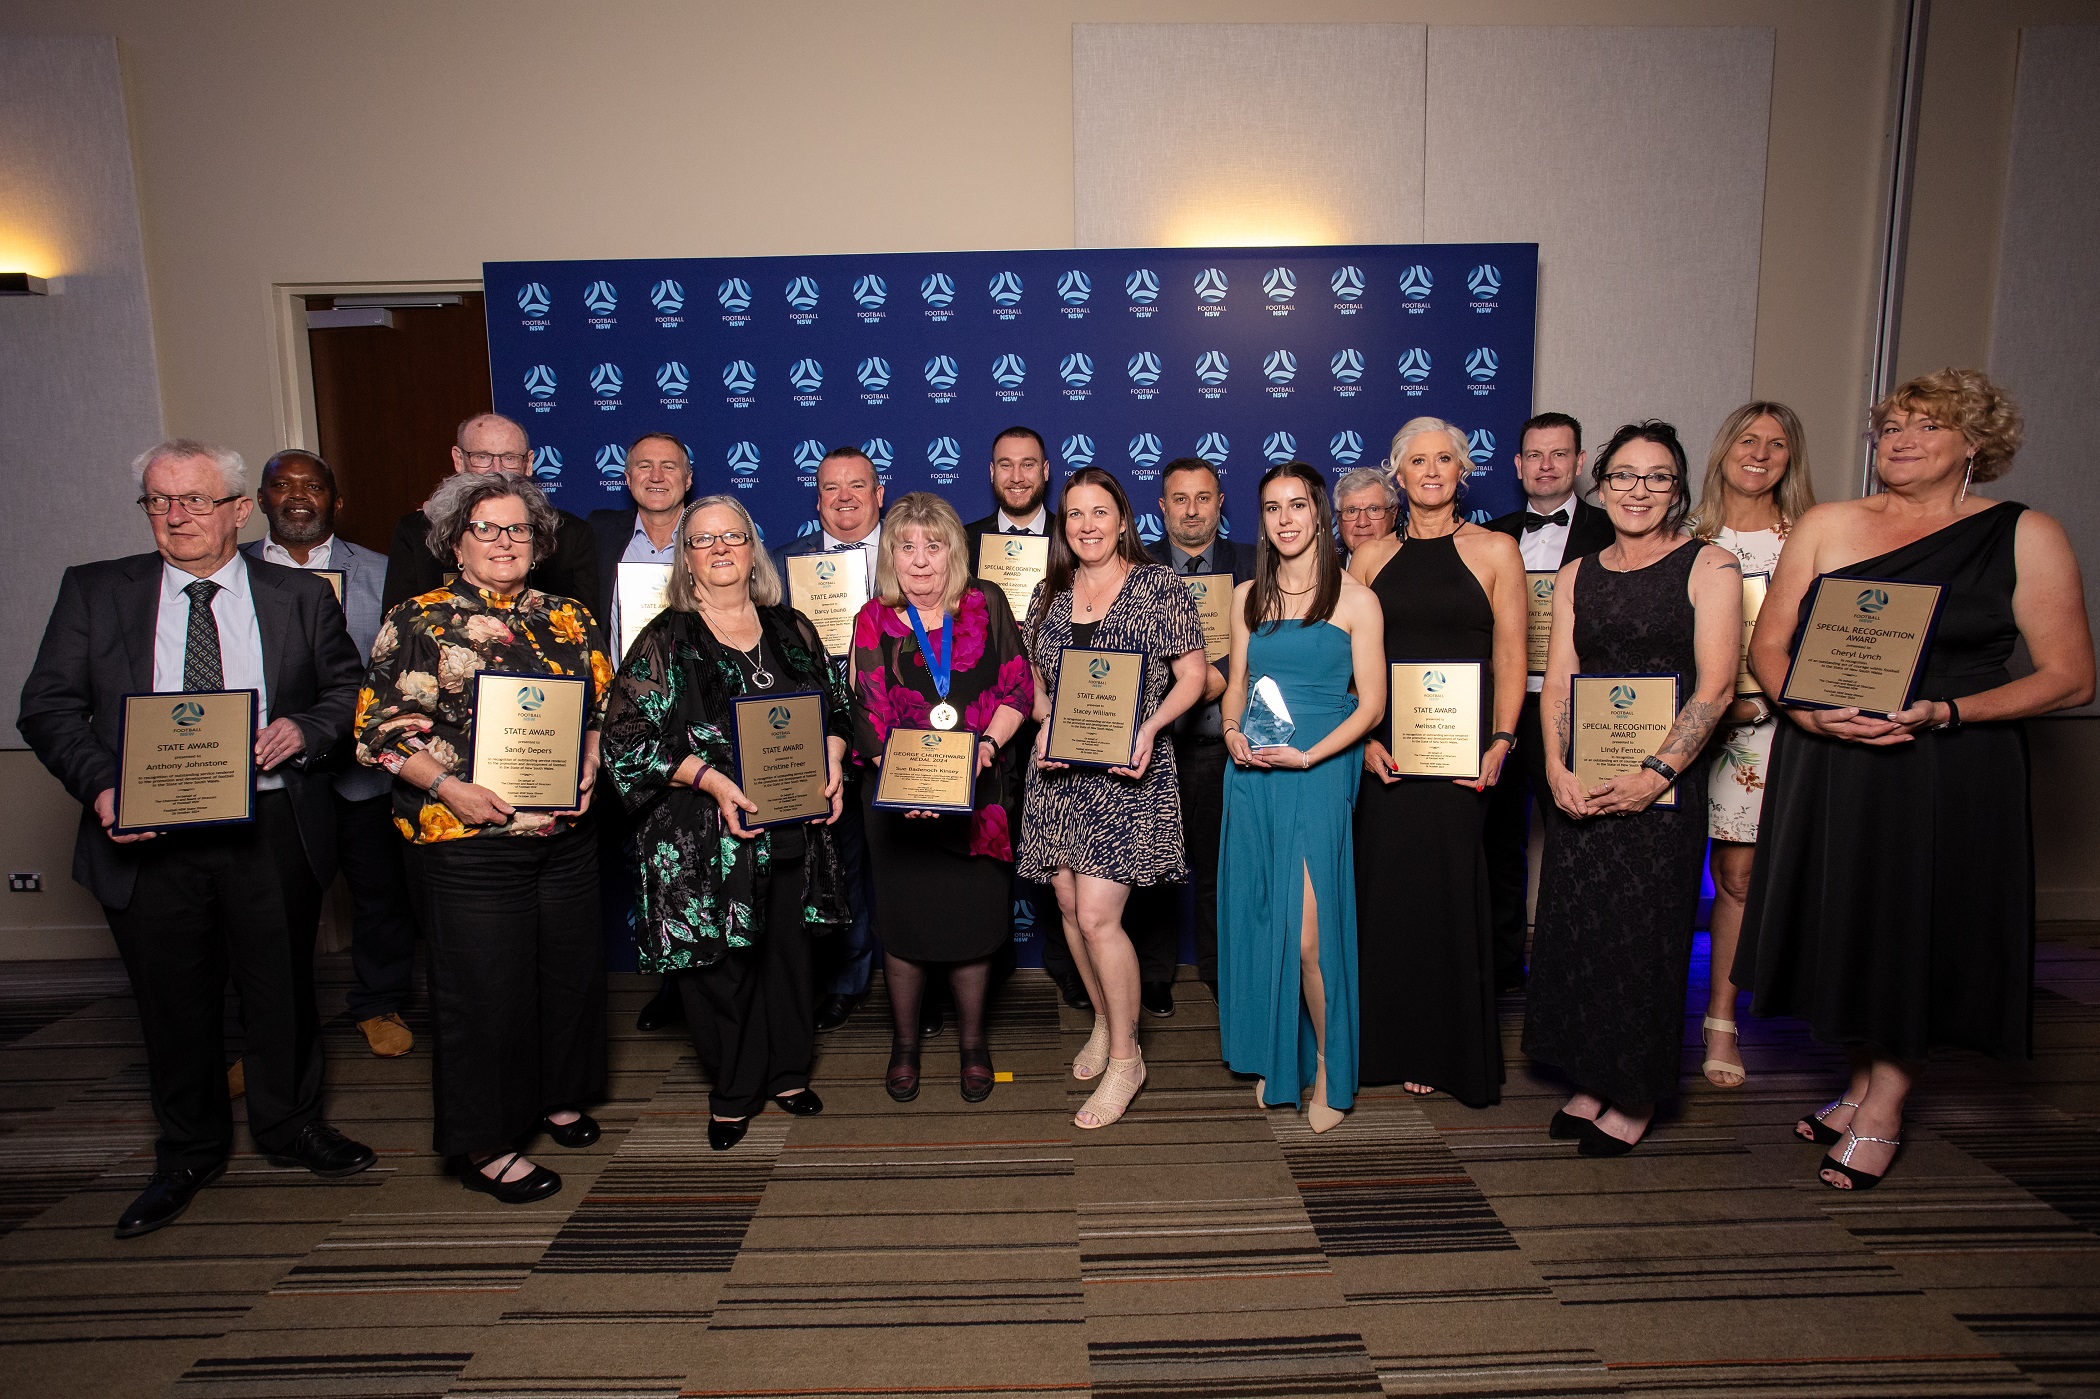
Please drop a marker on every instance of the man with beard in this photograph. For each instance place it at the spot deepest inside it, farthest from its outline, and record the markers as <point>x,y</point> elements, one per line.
<point>299,498</point>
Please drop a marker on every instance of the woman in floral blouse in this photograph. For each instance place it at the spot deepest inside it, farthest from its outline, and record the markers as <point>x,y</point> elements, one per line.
<point>730,910</point>
<point>931,646</point>
<point>510,898</point>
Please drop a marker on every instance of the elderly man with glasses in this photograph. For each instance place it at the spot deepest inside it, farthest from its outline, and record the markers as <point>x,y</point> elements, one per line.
<point>1366,507</point>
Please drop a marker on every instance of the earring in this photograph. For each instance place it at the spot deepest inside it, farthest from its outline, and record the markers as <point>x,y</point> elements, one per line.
<point>1967,472</point>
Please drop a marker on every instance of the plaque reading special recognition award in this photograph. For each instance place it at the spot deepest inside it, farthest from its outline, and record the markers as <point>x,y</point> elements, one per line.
<point>1435,719</point>
<point>830,590</point>
<point>640,587</point>
<point>1015,563</point>
<point>780,757</point>
<point>928,770</point>
<point>1864,645</point>
<point>1754,585</point>
<point>185,759</point>
<point>1618,721</point>
<point>1094,713</point>
<point>528,738</point>
<point>1212,593</point>
<point>1538,619</point>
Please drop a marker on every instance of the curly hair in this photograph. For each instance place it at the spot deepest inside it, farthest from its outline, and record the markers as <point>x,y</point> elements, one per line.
<point>1967,401</point>
<point>934,518</point>
<point>451,506</point>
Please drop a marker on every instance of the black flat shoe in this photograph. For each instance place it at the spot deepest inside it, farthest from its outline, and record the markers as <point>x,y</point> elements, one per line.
<point>1565,1127</point>
<point>977,1076</point>
<point>901,1079</point>
<point>724,1135</point>
<point>324,1151</point>
<point>537,1185</point>
<point>165,1197</point>
<point>1157,997</point>
<point>1074,991</point>
<point>665,1008</point>
<point>1598,1142</point>
<point>580,1133</point>
<point>803,1104</point>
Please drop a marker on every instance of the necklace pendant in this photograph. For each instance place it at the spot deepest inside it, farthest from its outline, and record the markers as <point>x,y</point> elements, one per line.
<point>943,716</point>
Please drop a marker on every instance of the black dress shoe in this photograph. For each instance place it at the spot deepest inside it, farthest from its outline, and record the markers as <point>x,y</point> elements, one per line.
<point>582,1132</point>
<point>1566,1127</point>
<point>166,1196</point>
<point>536,1184</point>
<point>1073,989</point>
<point>324,1151</point>
<point>803,1104</point>
<point>901,1079</point>
<point>724,1135</point>
<point>1157,997</point>
<point>929,1018</point>
<point>834,1011</point>
<point>1598,1142</point>
<point>666,1007</point>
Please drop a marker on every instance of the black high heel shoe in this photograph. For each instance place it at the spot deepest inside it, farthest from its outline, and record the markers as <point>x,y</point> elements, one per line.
<point>724,1135</point>
<point>538,1185</point>
<point>1815,1129</point>
<point>1567,1127</point>
<point>1842,1163</point>
<point>580,1133</point>
<point>977,1076</point>
<point>901,1079</point>
<point>803,1104</point>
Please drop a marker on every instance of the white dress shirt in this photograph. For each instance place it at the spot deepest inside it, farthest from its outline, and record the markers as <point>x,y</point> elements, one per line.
<point>1542,549</point>
<point>240,640</point>
<point>1038,523</point>
<point>870,542</point>
<point>316,557</point>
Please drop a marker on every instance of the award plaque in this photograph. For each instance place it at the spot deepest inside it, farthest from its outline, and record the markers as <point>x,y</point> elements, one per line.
<point>928,770</point>
<point>335,580</point>
<point>1094,714</point>
<point>528,738</point>
<point>640,591</point>
<point>1754,585</point>
<point>1212,593</point>
<point>185,759</point>
<point>1618,721</point>
<point>1434,718</point>
<point>1864,645</point>
<point>1538,619</point>
<point>830,590</point>
<point>1015,563</point>
<point>780,757</point>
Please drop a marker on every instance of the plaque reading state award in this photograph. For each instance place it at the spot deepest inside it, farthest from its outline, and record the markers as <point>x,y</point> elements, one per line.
<point>1754,585</point>
<point>186,759</point>
<point>528,738</point>
<point>1212,593</point>
<point>1864,645</point>
<point>1094,714</point>
<point>928,770</point>
<point>780,758</point>
<point>1619,720</point>
<point>640,587</point>
<point>830,589</point>
<point>1538,619</point>
<point>1435,719</point>
<point>1015,563</point>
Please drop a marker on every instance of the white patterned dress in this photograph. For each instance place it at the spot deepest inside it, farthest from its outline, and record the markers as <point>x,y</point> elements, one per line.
<point>1735,790</point>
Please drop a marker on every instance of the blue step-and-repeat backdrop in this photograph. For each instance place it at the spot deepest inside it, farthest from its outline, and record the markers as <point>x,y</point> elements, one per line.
<point>1124,359</point>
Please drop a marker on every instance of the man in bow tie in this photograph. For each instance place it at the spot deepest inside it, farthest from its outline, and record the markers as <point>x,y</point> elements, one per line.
<point>1555,525</point>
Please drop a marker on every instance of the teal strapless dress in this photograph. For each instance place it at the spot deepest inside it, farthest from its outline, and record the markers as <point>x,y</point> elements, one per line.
<point>1278,826</point>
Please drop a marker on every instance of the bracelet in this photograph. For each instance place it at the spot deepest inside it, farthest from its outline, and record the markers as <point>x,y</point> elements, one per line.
<point>1503,736</point>
<point>432,789</point>
<point>1232,724</point>
<point>1953,717</point>
<point>705,768</point>
<point>1764,711</point>
<point>1658,766</point>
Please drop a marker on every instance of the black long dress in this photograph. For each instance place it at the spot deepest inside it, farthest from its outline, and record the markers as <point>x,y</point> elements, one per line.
<point>1619,895</point>
<point>1892,901</point>
<point>1425,942</point>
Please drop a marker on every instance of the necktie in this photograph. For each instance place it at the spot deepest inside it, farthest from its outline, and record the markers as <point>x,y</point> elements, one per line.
<point>1533,520</point>
<point>1195,565</point>
<point>839,548</point>
<point>201,666</point>
<point>1015,529</point>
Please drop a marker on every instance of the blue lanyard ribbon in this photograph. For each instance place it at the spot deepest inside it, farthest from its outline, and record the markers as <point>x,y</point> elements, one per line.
<point>938,664</point>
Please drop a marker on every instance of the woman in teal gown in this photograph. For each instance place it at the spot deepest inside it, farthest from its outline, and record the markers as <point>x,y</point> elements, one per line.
<point>1286,874</point>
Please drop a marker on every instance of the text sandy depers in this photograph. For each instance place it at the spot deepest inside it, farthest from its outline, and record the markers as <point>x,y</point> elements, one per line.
<point>528,738</point>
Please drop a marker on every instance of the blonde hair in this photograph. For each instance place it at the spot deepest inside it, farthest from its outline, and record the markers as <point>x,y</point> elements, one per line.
<point>1413,428</point>
<point>934,518</point>
<point>682,594</point>
<point>1794,495</point>
<point>1966,400</point>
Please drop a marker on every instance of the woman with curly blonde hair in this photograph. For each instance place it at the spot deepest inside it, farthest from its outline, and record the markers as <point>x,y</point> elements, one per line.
<point>1892,900</point>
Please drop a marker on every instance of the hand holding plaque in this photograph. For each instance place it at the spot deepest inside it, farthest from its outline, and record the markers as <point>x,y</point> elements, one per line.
<point>1863,646</point>
<point>782,763</point>
<point>1434,713</point>
<point>928,770</point>
<point>1095,712</point>
<point>528,738</point>
<point>1619,721</point>
<point>185,759</point>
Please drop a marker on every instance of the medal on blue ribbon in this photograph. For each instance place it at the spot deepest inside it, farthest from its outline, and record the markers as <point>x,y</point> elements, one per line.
<point>939,665</point>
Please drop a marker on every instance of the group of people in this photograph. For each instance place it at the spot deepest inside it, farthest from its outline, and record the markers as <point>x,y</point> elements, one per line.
<point>1872,874</point>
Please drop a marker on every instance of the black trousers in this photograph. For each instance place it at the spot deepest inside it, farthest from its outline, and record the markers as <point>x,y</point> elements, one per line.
<point>1507,838</point>
<point>753,1014</point>
<point>383,921</point>
<point>1153,916</point>
<point>517,983</point>
<point>230,899</point>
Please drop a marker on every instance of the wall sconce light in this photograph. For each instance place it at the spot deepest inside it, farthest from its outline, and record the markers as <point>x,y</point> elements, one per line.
<point>23,284</point>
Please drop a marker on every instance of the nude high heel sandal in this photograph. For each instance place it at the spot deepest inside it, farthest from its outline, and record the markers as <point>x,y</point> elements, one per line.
<point>1719,1072</point>
<point>1112,1099</point>
<point>1319,1116</point>
<point>1090,1061</point>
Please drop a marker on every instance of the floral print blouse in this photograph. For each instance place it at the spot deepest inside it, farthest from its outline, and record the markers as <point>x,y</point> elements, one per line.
<point>418,696</point>
<point>989,669</point>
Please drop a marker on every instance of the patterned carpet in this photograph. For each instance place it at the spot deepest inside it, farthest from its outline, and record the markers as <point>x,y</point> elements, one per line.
<point>1202,1248</point>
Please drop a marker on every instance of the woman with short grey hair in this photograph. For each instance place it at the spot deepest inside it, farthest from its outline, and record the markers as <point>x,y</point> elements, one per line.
<point>1366,507</point>
<point>452,505</point>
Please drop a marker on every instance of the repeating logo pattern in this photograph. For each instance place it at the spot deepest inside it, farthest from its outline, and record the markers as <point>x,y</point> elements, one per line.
<point>668,297</point>
<point>1074,288</point>
<point>739,376</point>
<point>534,300</point>
<point>870,292</point>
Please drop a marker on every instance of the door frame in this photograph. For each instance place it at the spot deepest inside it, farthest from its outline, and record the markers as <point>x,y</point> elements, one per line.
<point>292,386</point>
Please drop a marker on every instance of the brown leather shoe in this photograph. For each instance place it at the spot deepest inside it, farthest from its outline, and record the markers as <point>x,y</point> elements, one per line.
<point>236,1079</point>
<point>388,1035</point>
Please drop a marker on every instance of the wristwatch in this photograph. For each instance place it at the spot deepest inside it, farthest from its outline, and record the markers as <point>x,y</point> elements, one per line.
<point>1659,767</point>
<point>1504,736</point>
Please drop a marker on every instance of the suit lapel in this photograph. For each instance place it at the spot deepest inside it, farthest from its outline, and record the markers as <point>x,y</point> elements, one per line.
<point>139,606</point>
<point>273,619</point>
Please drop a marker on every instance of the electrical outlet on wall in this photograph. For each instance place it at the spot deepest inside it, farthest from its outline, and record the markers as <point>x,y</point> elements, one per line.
<point>25,883</point>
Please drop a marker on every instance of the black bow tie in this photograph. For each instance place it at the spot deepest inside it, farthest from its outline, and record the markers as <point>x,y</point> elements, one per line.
<point>1533,520</point>
<point>1016,529</point>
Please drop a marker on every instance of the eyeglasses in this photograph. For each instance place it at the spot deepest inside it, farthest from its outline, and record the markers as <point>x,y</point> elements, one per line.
<point>734,538</point>
<point>509,461</point>
<point>158,504</point>
<point>1366,512</point>
<point>1657,481</point>
<point>487,530</point>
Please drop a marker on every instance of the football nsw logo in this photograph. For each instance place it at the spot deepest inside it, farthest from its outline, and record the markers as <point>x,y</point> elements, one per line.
<point>668,297</point>
<point>1078,451</point>
<point>1005,290</point>
<point>734,296</point>
<point>1481,367</point>
<point>742,460</point>
<point>539,382</point>
<point>1142,287</point>
<point>1279,285</point>
<point>1872,601</point>
<point>943,456</point>
<point>187,714</point>
<point>1347,284</point>
<point>870,292</point>
<point>1213,448</point>
<point>601,298</point>
<point>1211,286</point>
<point>1623,696</point>
<point>1009,371</point>
<point>534,302</point>
<point>937,290</point>
<point>1145,451</point>
<point>1485,283</point>
<point>672,381</point>
<point>546,463</point>
<point>1278,448</point>
<point>1346,447</point>
<point>1212,369</point>
<point>941,373</point>
<point>801,293</point>
<point>1077,370</point>
<point>874,375</point>
<point>606,382</point>
<point>531,698</point>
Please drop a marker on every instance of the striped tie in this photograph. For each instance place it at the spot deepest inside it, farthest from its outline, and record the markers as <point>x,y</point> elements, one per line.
<point>201,666</point>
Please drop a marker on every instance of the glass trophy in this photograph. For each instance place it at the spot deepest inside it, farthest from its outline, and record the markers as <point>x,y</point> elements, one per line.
<point>1267,722</point>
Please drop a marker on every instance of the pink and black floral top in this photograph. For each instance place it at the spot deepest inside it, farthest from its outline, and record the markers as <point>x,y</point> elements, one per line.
<point>892,689</point>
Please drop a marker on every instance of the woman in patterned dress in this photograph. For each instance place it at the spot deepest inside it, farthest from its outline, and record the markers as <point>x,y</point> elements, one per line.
<point>1092,834</point>
<point>1757,485</point>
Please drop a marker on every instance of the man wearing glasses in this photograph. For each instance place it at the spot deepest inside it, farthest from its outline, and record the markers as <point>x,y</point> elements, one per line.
<point>1366,507</point>
<point>190,906</point>
<point>492,442</point>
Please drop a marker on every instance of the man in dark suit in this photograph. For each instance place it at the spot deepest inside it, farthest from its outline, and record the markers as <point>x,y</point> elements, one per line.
<point>299,498</point>
<point>1192,502</point>
<point>188,906</point>
<point>1556,525</point>
<point>492,442</point>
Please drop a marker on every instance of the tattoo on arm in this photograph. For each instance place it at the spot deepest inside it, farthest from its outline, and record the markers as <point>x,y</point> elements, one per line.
<point>1560,726</point>
<point>1695,722</point>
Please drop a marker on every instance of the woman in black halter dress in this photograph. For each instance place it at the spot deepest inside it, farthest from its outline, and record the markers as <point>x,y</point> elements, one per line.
<point>1425,945</point>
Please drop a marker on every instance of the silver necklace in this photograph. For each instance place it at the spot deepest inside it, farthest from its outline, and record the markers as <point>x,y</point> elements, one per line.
<point>761,678</point>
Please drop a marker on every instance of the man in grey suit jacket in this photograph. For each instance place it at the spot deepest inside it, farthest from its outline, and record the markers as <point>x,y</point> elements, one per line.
<point>188,906</point>
<point>299,497</point>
